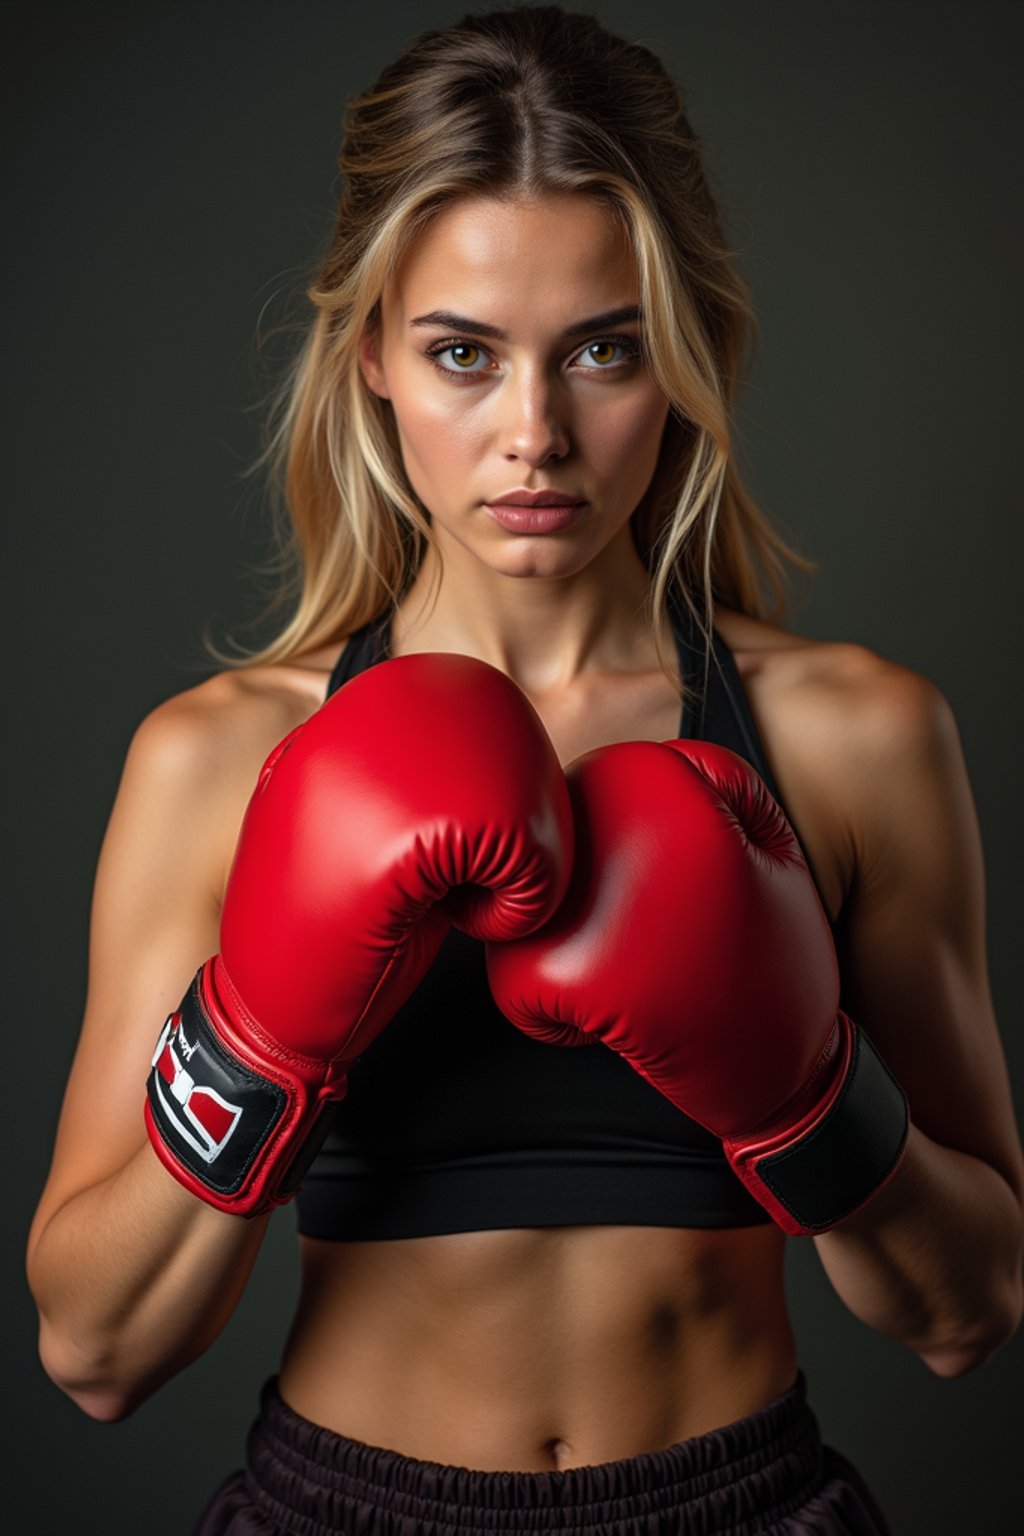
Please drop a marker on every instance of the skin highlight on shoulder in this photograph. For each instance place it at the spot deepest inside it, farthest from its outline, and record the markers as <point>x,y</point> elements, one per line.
<point>202,749</point>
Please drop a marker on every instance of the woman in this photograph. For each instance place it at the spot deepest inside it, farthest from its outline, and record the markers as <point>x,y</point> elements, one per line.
<point>535,1294</point>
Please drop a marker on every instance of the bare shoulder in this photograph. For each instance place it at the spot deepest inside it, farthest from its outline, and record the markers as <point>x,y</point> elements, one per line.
<point>211,722</point>
<point>845,701</point>
<point>849,735</point>
<point>197,755</point>
<point>222,722</point>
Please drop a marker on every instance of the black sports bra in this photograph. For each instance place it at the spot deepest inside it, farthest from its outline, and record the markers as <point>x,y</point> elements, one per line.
<point>455,1121</point>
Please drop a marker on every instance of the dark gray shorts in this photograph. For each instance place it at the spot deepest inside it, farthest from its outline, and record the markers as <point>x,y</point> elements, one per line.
<point>768,1472</point>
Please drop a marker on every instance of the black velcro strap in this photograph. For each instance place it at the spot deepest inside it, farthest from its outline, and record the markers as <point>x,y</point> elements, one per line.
<point>213,1112</point>
<point>849,1154</point>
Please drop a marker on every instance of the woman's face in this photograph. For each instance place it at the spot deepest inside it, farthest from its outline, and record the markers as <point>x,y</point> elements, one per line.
<point>507,369</point>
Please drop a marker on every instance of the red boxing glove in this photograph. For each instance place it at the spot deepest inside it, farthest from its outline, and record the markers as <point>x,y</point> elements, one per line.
<point>692,941</point>
<point>424,792</point>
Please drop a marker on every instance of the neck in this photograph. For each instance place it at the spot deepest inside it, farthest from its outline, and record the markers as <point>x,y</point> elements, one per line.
<point>544,633</point>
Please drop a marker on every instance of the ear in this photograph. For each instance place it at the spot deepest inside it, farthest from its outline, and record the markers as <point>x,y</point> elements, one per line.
<point>369,362</point>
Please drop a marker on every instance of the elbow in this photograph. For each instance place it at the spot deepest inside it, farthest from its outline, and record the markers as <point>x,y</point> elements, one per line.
<point>91,1384</point>
<point>82,1373</point>
<point>102,1401</point>
<point>102,1406</point>
<point>976,1342</point>
<point>951,1362</point>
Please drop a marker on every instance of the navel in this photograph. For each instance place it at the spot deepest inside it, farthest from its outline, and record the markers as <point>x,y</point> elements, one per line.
<point>559,1451</point>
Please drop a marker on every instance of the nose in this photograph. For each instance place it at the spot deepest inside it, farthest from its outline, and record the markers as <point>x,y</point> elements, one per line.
<point>536,427</point>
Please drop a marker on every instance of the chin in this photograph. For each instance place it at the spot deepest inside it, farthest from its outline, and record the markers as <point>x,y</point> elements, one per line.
<point>544,563</point>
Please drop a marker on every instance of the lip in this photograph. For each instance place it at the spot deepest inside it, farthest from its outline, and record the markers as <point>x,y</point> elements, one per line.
<point>521,497</point>
<point>550,518</point>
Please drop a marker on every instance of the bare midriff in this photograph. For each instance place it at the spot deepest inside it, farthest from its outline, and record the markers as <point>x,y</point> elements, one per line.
<point>542,1349</point>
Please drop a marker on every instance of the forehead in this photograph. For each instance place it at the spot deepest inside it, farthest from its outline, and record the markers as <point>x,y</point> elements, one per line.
<point>557,250</point>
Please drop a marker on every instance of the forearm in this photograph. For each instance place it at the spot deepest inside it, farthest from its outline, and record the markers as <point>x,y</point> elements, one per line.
<point>934,1260</point>
<point>133,1279</point>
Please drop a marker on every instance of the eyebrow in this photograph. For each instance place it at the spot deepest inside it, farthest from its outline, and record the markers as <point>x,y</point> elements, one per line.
<point>445,317</point>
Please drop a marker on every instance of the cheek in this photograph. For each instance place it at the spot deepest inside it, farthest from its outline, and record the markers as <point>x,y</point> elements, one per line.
<point>629,433</point>
<point>432,427</point>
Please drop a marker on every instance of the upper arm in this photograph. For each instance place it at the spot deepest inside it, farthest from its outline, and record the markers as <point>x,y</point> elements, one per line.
<point>155,913</point>
<point>912,943</point>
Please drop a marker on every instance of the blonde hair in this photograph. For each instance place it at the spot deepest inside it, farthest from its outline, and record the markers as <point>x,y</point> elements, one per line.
<point>514,104</point>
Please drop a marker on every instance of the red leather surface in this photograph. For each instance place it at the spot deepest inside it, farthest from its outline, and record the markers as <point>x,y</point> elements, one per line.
<point>692,939</point>
<point>693,942</point>
<point>424,773</point>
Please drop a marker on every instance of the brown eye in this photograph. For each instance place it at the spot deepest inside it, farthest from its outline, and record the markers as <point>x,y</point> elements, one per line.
<point>601,353</point>
<point>465,355</point>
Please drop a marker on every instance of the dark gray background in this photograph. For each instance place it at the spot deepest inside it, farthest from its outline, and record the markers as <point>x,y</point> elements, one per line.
<point>171,171</point>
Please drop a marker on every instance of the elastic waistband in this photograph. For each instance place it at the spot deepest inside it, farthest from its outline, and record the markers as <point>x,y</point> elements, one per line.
<point>737,1479</point>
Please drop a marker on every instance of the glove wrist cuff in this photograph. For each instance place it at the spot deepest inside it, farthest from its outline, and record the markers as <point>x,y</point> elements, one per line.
<point>813,1173</point>
<point>237,1131</point>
